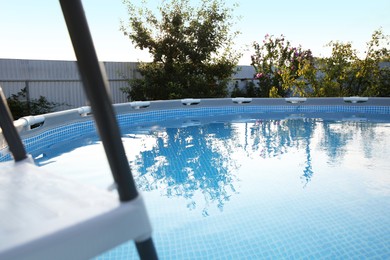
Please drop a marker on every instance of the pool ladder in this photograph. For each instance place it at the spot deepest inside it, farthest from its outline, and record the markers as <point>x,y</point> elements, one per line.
<point>96,88</point>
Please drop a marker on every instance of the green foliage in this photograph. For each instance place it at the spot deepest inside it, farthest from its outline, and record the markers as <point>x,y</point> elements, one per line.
<point>344,74</point>
<point>372,78</point>
<point>282,70</point>
<point>20,107</point>
<point>249,91</point>
<point>191,49</point>
<point>237,92</point>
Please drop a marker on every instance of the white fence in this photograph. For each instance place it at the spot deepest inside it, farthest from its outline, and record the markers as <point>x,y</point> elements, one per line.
<point>60,82</point>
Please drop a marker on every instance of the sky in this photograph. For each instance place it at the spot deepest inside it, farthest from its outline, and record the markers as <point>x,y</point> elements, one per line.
<point>36,29</point>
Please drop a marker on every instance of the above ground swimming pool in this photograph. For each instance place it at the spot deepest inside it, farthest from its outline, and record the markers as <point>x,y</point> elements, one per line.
<point>248,179</point>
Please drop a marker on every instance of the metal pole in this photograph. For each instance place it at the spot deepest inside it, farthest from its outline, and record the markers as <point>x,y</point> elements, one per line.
<point>9,131</point>
<point>97,92</point>
<point>96,89</point>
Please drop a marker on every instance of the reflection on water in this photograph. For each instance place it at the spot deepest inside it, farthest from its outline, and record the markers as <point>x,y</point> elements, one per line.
<point>275,137</point>
<point>196,159</point>
<point>187,160</point>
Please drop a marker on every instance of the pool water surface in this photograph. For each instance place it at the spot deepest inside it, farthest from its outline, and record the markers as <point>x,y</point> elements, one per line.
<point>249,187</point>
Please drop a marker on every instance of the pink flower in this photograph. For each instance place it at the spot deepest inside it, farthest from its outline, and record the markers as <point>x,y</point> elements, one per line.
<point>259,75</point>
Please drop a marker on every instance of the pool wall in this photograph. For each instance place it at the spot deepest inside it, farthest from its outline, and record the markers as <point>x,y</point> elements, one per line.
<point>37,130</point>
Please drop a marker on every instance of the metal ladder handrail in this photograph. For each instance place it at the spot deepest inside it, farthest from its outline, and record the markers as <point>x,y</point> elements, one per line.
<point>96,88</point>
<point>10,133</point>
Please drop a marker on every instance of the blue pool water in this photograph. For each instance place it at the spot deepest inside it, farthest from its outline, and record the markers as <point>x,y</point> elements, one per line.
<point>249,186</point>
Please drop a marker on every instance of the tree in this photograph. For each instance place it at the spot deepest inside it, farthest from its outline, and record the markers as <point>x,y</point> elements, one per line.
<point>191,49</point>
<point>336,73</point>
<point>281,68</point>
<point>374,74</point>
<point>344,74</point>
